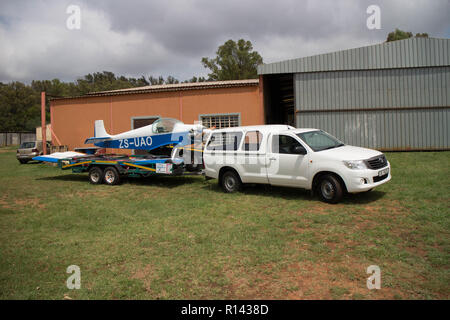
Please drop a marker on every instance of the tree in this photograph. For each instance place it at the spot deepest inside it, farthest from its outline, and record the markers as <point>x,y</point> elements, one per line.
<point>171,80</point>
<point>422,35</point>
<point>195,79</point>
<point>400,35</point>
<point>156,81</point>
<point>19,107</point>
<point>234,61</point>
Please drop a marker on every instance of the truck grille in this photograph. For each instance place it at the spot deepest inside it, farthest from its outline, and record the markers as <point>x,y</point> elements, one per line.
<point>377,162</point>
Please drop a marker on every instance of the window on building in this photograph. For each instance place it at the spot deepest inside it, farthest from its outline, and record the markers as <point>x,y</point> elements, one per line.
<point>220,121</point>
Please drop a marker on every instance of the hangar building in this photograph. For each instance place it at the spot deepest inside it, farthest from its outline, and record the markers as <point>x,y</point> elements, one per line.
<point>389,96</point>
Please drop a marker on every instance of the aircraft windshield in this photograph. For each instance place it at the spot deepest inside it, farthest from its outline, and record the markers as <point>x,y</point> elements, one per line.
<point>164,125</point>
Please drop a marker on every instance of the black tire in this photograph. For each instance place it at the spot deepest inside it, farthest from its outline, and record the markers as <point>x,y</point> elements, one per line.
<point>231,182</point>
<point>330,189</point>
<point>23,161</point>
<point>96,175</point>
<point>111,176</point>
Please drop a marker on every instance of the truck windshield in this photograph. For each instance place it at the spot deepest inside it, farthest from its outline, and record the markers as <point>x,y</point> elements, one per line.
<point>319,140</point>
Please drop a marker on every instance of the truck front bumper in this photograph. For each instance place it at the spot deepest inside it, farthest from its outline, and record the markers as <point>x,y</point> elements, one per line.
<point>364,180</point>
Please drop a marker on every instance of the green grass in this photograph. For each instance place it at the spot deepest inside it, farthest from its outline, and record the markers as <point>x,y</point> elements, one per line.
<point>182,238</point>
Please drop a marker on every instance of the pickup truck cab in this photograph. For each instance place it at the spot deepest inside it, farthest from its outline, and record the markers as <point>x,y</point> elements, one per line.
<point>282,155</point>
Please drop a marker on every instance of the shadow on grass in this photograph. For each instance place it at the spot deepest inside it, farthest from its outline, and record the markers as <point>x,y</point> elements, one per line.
<point>31,162</point>
<point>159,181</point>
<point>162,181</point>
<point>66,177</point>
<point>298,194</point>
<point>269,191</point>
<point>364,197</point>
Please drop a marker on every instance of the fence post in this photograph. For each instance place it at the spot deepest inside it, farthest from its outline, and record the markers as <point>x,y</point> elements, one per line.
<point>43,122</point>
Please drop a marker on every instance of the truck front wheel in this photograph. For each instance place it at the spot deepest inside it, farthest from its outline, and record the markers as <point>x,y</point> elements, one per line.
<point>95,175</point>
<point>330,189</point>
<point>231,182</point>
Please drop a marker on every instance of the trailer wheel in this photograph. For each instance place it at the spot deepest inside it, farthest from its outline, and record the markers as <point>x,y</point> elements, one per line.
<point>96,175</point>
<point>112,176</point>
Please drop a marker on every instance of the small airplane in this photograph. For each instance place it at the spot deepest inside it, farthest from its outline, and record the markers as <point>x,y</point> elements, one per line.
<point>162,132</point>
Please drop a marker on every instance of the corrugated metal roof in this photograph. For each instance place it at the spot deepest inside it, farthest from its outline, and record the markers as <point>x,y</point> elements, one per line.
<point>171,87</point>
<point>408,53</point>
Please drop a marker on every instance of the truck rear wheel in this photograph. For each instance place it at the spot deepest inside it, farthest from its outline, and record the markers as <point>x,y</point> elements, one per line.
<point>112,176</point>
<point>330,189</point>
<point>231,182</point>
<point>95,175</point>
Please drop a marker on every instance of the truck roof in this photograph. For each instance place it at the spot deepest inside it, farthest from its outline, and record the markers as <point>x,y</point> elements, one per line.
<point>267,128</point>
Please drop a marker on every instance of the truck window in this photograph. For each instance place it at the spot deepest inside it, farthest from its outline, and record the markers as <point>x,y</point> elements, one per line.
<point>285,144</point>
<point>252,141</point>
<point>224,141</point>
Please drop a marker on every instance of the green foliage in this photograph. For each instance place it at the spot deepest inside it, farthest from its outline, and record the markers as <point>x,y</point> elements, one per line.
<point>20,103</point>
<point>19,107</point>
<point>234,61</point>
<point>422,35</point>
<point>400,35</point>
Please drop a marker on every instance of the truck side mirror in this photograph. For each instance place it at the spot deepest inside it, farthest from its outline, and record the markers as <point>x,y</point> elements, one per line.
<point>299,150</point>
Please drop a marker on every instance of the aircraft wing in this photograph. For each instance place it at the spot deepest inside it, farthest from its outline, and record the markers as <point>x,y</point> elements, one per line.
<point>97,139</point>
<point>54,157</point>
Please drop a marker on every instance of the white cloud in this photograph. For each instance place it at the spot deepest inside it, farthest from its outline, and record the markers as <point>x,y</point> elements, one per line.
<point>135,38</point>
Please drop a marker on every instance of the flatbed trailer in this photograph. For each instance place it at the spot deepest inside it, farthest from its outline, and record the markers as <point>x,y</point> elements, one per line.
<point>109,168</point>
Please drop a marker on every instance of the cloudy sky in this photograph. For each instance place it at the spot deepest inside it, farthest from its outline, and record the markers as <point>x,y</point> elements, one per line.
<point>170,37</point>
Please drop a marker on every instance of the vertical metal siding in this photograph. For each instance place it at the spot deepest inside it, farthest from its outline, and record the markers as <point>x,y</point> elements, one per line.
<point>408,53</point>
<point>326,99</point>
<point>393,88</point>
<point>386,130</point>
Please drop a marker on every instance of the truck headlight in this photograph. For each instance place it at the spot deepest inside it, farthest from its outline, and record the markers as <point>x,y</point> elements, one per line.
<point>355,164</point>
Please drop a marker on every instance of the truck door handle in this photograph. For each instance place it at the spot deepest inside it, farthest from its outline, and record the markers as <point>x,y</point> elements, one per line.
<point>272,158</point>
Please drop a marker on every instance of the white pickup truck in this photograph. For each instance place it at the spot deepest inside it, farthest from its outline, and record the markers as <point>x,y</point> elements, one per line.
<point>282,155</point>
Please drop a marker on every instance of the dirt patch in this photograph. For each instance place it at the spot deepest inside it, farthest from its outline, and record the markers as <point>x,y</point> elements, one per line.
<point>84,194</point>
<point>21,203</point>
<point>305,280</point>
<point>4,204</point>
<point>145,274</point>
<point>33,202</point>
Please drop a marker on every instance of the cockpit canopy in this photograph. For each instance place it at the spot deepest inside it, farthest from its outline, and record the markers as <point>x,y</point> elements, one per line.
<point>164,125</point>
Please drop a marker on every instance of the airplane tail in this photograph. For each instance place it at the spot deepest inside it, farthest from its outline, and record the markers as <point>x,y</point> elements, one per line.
<point>100,133</point>
<point>99,130</point>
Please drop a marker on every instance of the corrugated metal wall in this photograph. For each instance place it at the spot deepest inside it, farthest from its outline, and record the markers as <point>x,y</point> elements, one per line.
<point>389,109</point>
<point>425,129</point>
<point>388,88</point>
<point>408,53</point>
<point>15,138</point>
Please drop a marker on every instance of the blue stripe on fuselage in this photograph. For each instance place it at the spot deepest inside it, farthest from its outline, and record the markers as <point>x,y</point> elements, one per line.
<point>148,142</point>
